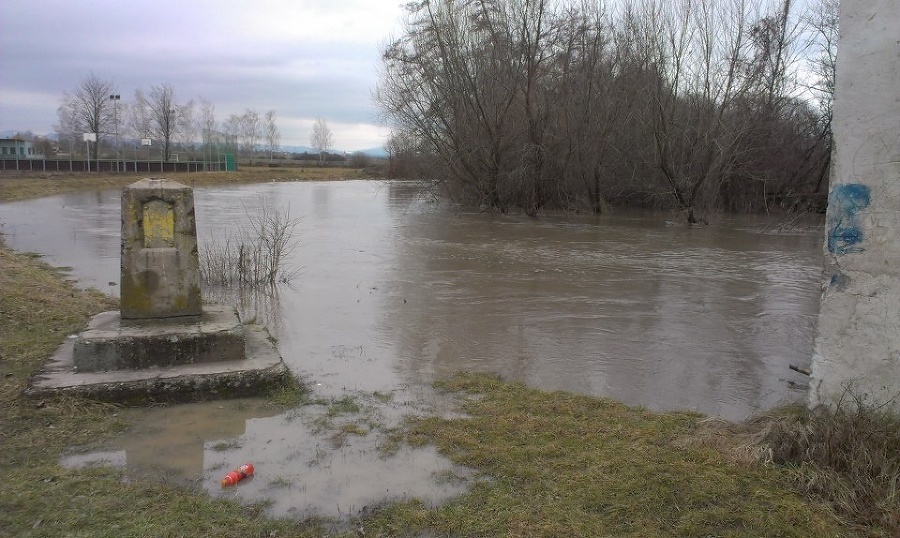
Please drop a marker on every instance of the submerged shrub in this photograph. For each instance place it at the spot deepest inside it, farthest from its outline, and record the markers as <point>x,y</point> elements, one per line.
<point>256,255</point>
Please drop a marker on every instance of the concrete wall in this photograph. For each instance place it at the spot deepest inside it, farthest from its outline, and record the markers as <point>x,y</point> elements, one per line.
<point>858,343</point>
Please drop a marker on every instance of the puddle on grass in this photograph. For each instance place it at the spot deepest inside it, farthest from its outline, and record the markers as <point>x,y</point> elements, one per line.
<point>170,441</point>
<point>329,458</point>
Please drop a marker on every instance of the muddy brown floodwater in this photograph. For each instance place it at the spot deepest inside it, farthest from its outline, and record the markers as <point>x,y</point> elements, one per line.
<point>394,290</point>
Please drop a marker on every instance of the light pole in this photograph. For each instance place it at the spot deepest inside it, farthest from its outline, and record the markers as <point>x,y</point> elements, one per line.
<point>115,99</point>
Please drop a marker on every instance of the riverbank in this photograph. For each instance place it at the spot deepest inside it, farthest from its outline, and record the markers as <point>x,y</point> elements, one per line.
<point>552,463</point>
<point>555,464</point>
<point>24,185</point>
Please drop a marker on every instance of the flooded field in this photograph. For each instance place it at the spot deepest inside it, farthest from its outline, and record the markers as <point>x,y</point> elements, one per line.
<point>393,291</point>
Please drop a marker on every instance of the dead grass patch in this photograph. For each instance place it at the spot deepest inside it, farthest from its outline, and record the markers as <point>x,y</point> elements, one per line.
<point>848,454</point>
<point>559,464</point>
<point>23,185</point>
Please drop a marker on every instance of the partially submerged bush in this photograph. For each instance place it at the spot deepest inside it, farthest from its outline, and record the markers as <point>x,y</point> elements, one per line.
<point>256,255</point>
<point>848,454</point>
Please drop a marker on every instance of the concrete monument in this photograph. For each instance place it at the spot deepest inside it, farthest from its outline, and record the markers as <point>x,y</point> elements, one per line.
<point>163,342</point>
<point>160,266</point>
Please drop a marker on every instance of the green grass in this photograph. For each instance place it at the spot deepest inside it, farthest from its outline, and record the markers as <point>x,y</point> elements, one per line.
<point>339,438</point>
<point>93,502</point>
<point>343,406</point>
<point>280,482</point>
<point>558,464</point>
<point>289,395</point>
<point>383,397</point>
<point>224,446</point>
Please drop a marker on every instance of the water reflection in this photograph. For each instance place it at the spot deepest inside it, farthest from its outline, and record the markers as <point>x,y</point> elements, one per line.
<point>259,305</point>
<point>171,442</point>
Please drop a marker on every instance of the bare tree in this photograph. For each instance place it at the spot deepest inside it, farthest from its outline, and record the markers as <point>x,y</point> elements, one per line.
<point>683,104</point>
<point>207,125</point>
<point>67,130</point>
<point>448,82</point>
<point>273,137</point>
<point>44,146</point>
<point>232,131</point>
<point>406,157</point>
<point>485,85</point>
<point>823,19</point>
<point>92,108</point>
<point>723,85</point>
<point>163,113</point>
<point>137,122</point>
<point>250,131</point>
<point>359,159</point>
<point>187,127</point>
<point>321,139</point>
<point>697,60</point>
<point>591,103</point>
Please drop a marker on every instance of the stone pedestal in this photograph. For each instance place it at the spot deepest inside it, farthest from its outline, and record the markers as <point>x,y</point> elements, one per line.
<point>111,343</point>
<point>163,344</point>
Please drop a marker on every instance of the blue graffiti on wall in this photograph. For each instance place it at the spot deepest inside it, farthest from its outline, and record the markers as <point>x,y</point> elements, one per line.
<point>844,204</point>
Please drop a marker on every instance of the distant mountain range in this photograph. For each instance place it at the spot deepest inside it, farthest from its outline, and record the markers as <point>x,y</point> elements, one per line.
<point>10,133</point>
<point>377,152</point>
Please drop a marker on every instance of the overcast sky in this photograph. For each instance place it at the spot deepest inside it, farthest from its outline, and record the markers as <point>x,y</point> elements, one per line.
<point>303,58</point>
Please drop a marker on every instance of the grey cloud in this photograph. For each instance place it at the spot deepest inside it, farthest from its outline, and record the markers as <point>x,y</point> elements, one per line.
<point>199,50</point>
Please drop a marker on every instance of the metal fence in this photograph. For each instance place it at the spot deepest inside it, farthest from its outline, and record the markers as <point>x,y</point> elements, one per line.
<point>109,165</point>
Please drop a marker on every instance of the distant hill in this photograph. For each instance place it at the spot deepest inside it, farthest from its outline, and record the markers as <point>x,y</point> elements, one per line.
<point>377,152</point>
<point>9,133</point>
<point>293,149</point>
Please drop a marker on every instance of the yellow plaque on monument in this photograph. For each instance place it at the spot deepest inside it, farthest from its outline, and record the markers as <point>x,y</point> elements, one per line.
<point>159,225</point>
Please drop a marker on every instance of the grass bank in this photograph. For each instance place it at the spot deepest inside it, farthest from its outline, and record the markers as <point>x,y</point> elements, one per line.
<point>22,185</point>
<point>552,464</point>
<point>560,464</point>
<point>38,308</point>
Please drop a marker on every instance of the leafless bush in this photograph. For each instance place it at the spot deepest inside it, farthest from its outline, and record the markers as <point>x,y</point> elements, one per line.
<point>255,255</point>
<point>848,454</point>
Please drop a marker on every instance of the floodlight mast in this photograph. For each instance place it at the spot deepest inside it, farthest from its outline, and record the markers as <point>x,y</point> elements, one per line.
<point>115,99</point>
